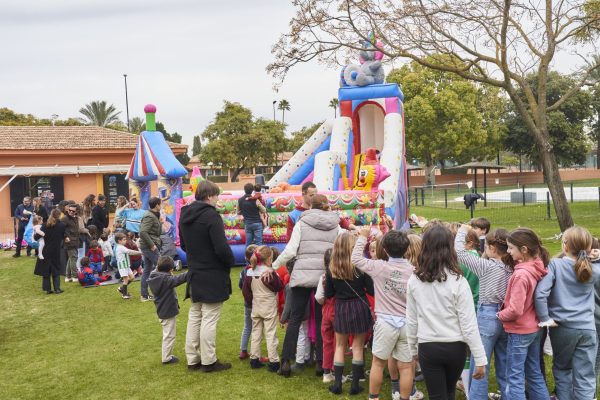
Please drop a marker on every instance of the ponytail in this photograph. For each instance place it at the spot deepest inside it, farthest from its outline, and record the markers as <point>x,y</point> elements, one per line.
<point>262,255</point>
<point>578,242</point>
<point>544,255</point>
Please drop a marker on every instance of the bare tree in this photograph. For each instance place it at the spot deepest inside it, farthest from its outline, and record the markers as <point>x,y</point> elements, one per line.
<point>494,42</point>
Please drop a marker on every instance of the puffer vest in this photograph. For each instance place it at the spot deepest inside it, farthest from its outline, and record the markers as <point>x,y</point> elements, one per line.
<point>318,231</point>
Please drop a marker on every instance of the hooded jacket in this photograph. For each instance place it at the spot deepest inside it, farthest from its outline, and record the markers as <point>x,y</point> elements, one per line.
<point>163,286</point>
<point>314,233</point>
<point>518,311</point>
<point>209,257</point>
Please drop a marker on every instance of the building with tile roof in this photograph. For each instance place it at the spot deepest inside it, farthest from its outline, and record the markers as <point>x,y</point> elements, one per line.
<point>68,161</point>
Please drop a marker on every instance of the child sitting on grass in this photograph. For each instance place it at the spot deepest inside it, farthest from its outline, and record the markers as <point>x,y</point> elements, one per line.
<point>162,283</point>
<point>96,257</point>
<point>260,290</point>
<point>122,254</point>
<point>86,275</point>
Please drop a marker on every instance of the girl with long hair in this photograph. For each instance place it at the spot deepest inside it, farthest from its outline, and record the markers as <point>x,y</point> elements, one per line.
<point>564,301</point>
<point>440,316</point>
<point>352,316</point>
<point>519,318</point>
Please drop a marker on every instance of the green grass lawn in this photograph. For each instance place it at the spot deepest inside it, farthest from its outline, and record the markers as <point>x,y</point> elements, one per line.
<point>91,343</point>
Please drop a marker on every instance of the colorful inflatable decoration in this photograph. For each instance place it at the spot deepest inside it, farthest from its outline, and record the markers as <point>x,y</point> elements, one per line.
<point>371,120</point>
<point>195,179</point>
<point>154,161</point>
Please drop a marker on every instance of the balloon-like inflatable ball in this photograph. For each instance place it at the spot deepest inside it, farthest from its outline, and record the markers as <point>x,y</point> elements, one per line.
<point>150,108</point>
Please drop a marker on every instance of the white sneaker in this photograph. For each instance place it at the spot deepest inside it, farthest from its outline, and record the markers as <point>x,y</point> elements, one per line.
<point>67,279</point>
<point>418,395</point>
<point>396,396</point>
<point>328,378</point>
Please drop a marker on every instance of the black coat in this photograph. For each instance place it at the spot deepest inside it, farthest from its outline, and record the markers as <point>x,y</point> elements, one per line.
<point>42,212</point>
<point>209,257</point>
<point>99,218</point>
<point>51,264</point>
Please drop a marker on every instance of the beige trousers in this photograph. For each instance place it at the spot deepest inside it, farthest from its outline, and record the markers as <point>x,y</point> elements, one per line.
<point>169,328</point>
<point>268,325</point>
<point>201,334</point>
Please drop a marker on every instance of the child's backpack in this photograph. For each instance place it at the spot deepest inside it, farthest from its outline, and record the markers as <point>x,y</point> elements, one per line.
<point>28,235</point>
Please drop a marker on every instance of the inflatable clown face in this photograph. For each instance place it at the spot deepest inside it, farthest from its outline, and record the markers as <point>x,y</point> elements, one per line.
<point>369,177</point>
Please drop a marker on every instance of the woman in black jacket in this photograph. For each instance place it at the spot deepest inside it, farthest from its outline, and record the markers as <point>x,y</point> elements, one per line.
<point>209,257</point>
<point>50,266</point>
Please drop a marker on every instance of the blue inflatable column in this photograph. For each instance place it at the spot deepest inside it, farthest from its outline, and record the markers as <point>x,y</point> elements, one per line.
<point>169,190</point>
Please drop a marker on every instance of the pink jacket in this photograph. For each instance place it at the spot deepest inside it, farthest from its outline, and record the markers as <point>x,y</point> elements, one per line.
<point>518,311</point>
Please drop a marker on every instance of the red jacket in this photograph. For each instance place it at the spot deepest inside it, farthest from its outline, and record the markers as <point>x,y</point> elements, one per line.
<point>518,311</point>
<point>95,256</point>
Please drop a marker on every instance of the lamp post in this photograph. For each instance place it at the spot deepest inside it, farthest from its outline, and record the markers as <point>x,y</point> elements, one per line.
<point>126,102</point>
<point>274,102</point>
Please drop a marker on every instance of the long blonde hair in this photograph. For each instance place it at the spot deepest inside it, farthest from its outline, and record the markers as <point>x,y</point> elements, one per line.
<point>341,265</point>
<point>414,249</point>
<point>579,244</point>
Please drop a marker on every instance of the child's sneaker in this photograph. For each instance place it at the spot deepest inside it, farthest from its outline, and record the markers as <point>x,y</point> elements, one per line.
<point>255,363</point>
<point>120,290</point>
<point>244,355</point>
<point>328,378</point>
<point>417,395</point>
<point>494,396</point>
<point>126,296</point>
<point>274,366</point>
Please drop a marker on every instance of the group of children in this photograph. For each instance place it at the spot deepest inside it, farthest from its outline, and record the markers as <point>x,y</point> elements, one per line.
<point>453,290</point>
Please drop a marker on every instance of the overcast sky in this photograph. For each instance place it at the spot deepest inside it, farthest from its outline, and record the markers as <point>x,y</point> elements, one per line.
<point>185,56</point>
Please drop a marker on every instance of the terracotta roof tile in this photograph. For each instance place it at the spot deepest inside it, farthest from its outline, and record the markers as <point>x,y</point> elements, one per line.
<point>68,138</point>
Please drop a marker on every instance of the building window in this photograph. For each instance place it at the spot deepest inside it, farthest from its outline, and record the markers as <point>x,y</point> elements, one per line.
<point>49,188</point>
<point>115,185</point>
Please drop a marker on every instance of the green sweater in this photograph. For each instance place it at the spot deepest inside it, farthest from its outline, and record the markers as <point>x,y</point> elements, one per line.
<point>473,282</point>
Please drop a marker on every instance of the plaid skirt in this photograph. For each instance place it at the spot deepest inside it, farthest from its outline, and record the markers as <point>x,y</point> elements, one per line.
<point>352,316</point>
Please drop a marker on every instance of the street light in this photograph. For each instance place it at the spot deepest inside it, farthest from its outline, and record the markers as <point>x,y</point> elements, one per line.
<point>126,102</point>
<point>274,102</point>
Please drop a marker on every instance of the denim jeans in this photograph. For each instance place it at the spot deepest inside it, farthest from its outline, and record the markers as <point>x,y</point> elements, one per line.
<point>494,339</point>
<point>523,364</point>
<point>150,261</point>
<point>247,328</point>
<point>254,233</point>
<point>573,362</point>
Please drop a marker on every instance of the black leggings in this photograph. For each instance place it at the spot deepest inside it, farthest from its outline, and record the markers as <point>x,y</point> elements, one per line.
<point>300,298</point>
<point>442,365</point>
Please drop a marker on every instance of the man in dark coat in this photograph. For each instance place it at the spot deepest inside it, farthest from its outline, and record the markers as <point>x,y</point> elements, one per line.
<point>100,214</point>
<point>22,214</point>
<point>209,257</point>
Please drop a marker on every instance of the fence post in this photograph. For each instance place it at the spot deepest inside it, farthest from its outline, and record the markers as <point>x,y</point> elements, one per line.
<point>548,205</point>
<point>571,192</point>
<point>446,197</point>
<point>422,196</point>
<point>416,197</point>
<point>523,191</point>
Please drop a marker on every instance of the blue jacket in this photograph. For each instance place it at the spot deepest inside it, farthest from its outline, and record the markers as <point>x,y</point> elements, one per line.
<point>19,213</point>
<point>561,297</point>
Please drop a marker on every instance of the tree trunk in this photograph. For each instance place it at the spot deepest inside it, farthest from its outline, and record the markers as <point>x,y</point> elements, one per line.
<point>236,173</point>
<point>556,188</point>
<point>598,152</point>
<point>429,178</point>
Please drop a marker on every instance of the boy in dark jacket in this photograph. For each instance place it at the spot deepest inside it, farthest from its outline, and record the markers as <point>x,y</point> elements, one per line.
<point>162,282</point>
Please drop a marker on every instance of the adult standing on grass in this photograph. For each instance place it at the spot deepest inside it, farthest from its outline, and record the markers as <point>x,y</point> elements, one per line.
<point>100,214</point>
<point>150,243</point>
<point>22,215</point>
<point>50,266</point>
<point>313,234</point>
<point>72,241</point>
<point>202,237</point>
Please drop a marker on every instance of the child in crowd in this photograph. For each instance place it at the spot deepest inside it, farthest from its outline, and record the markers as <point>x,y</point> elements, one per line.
<point>136,260</point>
<point>352,311</point>
<point>481,226</point>
<point>122,255</point>
<point>169,249</point>
<point>247,306</point>
<point>563,302</point>
<point>96,257</point>
<point>303,342</point>
<point>162,283</point>
<point>414,249</point>
<point>107,249</point>
<point>440,316</point>
<point>472,242</point>
<point>519,318</point>
<point>93,232</point>
<point>327,332</point>
<point>284,275</point>
<point>493,272</point>
<point>86,275</point>
<point>389,335</point>
<point>37,230</point>
<point>260,290</point>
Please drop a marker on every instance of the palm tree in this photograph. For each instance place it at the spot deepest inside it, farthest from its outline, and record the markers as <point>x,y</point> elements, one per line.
<point>99,113</point>
<point>284,106</point>
<point>136,125</point>
<point>333,103</point>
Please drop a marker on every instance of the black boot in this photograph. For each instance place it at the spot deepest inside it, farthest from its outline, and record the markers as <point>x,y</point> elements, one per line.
<point>285,369</point>
<point>274,366</point>
<point>319,368</point>
<point>336,388</point>
<point>358,371</point>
